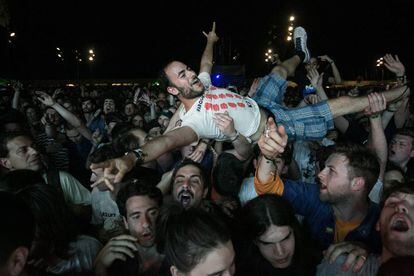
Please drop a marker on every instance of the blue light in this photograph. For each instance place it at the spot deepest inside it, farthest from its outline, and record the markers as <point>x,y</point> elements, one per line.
<point>218,76</point>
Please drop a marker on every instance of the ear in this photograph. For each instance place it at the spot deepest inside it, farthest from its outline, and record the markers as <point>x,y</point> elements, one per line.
<point>412,154</point>
<point>17,261</point>
<point>125,223</point>
<point>173,91</point>
<point>255,163</point>
<point>6,163</point>
<point>378,225</point>
<point>174,271</point>
<point>358,184</point>
<point>285,169</point>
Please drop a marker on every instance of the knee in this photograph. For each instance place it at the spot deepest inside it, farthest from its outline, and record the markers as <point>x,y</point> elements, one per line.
<point>281,71</point>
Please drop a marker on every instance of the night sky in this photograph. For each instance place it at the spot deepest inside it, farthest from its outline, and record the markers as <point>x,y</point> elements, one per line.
<point>134,40</point>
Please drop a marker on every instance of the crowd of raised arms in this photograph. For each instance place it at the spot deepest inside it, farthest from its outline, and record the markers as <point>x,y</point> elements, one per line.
<point>188,178</point>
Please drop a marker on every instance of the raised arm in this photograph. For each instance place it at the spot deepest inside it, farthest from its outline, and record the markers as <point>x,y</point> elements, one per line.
<point>271,144</point>
<point>206,63</point>
<point>17,87</point>
<point>66,114</point>
<point>335,71</point>
<point>376,138</point>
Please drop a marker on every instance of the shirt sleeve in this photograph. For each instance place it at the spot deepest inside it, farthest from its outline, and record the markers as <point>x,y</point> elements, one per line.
<point>205,79</point>
<point>73,190</point>
<point>274,186</point>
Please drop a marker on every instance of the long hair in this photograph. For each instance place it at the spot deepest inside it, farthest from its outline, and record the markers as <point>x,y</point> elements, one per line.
<point>187,236</point>
<point>54,220</point>
<point>258,215</point>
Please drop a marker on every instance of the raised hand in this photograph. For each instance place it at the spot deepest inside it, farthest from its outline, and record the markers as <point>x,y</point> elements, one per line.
<point>315,78</point>
<point>225,123</point>
<point>198,154</point>
<point>394,65</point>
<point>45,98</point>
<point>118,248</point>
<point>273,141</point>
<point>377,104</point>
<point>212,36</point>
<point>325,58</point>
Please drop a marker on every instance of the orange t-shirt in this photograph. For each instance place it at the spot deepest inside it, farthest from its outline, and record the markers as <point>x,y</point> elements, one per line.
<point>342,228</point>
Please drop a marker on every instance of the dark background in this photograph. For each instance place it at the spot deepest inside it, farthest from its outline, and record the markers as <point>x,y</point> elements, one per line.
<point>133,39</point>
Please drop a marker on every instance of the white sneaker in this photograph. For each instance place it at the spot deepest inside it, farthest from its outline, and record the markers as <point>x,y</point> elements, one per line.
<point>299,39</point>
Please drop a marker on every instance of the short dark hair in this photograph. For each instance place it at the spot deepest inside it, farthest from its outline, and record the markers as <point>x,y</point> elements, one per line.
<point>407,131</point>
<point>18,228</point>
<point>189,162</point>
<point>163,79</point>
<point>187,236</point>
<point>228,175</point>
<point>137,187</point>
<point>7,137</point>
<point>362,162</point>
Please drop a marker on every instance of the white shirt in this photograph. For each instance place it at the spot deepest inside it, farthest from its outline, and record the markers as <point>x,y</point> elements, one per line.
<point>244,111</point>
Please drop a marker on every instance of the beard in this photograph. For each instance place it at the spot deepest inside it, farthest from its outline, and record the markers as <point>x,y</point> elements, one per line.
<point>190,93</point>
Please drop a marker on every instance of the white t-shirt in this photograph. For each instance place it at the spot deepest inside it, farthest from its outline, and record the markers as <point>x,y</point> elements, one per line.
<point>105,212</point>
<point>244,111</point>
<point>73,191</point>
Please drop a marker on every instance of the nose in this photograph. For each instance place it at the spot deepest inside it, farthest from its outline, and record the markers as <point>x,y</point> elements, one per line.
<point>145,221</point>
<point>401,208</point>
<point>278,250</point>
<point>322,173</point>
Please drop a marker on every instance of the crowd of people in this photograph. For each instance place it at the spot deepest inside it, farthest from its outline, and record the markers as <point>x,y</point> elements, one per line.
<point>194,179</point>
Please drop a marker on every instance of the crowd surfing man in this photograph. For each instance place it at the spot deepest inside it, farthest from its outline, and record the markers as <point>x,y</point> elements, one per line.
<point>215,113</point>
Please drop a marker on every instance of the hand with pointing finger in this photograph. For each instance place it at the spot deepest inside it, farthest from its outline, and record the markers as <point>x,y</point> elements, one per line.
<point>212,36</point>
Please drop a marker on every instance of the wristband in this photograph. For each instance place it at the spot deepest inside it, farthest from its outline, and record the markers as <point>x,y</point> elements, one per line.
<point>139,155</point>
<point>235,137</point>
<point>373,116</point>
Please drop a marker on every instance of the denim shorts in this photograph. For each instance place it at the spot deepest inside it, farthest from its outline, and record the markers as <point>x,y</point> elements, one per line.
<point>310,122</point>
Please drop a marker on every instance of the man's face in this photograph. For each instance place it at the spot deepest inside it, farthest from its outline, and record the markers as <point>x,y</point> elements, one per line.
<point>22,155</point>
<point>74,135</point>
<point>141,214</point>
<point>52,116</point>
<point>396,224</point>
<point>87,106</point>
<point>188,187</point>
<point>109,106</point>
<point>334,179</point>
<point>138,121</point>
<point>277,245</point>
<point>400,150</point>
<point>312,64</point>
<point>184,80</point>
<point>163,121</point>
<point>129,109</point>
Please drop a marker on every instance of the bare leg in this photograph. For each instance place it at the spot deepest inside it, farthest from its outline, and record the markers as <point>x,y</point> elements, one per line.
<point>347,105</point>
<point>288,67</point>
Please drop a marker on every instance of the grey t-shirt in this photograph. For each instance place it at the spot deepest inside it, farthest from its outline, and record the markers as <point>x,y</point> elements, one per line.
<point>370,267</point>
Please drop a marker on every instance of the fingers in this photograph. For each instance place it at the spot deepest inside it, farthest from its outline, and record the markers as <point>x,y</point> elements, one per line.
<point>205,34</point>
<point>271,124</point>
<point>213,29</point>
<point>101,165</point>
<point>120,175</point>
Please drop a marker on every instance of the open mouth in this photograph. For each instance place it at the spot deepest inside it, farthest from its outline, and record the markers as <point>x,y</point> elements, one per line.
<point>147,236</point>
<point>185,199</point>
<point>281,261</point>
<point>400,225</point>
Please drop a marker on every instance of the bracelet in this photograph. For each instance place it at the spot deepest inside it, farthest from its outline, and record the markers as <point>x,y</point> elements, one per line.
<point>373,116</point>
<point>331,62</point>
<point>401,77</point>
<point>391,110</point>
<point>138,154</point>
<point>269,159</point>
<point>235,137</point>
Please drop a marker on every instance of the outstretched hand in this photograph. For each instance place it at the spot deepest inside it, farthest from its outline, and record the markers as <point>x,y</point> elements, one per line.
<point>315,78</point>
<point>394,65</point>
<point>114,170</point>
<point>274,140</point>
<point>212,36</point>
<point>45,98</point>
